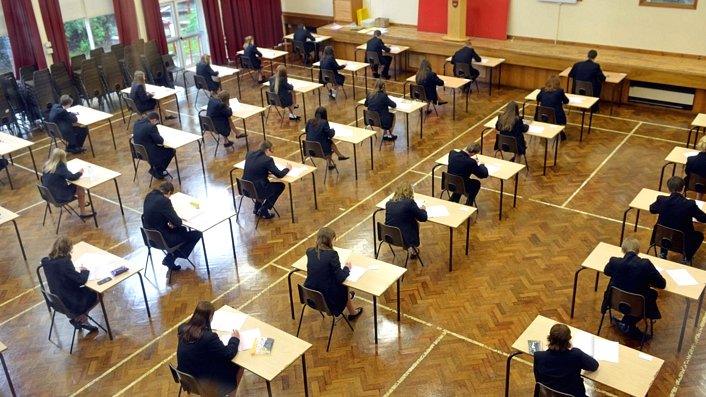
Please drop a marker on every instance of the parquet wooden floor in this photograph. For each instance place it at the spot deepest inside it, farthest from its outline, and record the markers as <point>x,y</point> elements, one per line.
<point>457,327</point>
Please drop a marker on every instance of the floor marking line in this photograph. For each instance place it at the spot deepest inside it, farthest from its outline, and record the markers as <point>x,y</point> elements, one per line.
<point>415,364</point>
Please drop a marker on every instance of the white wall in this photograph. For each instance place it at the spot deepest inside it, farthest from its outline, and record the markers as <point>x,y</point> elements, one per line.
<point>399,11</point>
<point>315,7</point>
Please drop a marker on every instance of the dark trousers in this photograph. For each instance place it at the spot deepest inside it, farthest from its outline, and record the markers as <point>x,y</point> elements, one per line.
<point>271,194</point>
<point>189,238</point>
<point>691,245</point>
<point>472,189</point>
<point>161,161</point>
<point>385,61</point>
<point>76,137</point>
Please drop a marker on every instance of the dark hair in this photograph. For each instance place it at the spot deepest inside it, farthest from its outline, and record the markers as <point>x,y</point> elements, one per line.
<point>473,148</point>
<point>152,116</point>
<point>166,187</point>
<point>66,100</point>
<point>224,96</point>
<point>377,33</point>
<point>592,54</point>
<point>559,337</point>
<point>324,239</point>
<point>199,321</point>
<point>265,145</point>
<point>321,114</point>
<point>675,184</point>
<point>61,248</point>
<point>328,51</point>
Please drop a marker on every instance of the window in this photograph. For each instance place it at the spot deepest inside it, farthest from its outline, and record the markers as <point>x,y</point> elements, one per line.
<point>670,3</point>
<point>185,30</point>
<point>6,62</point>
<point>89,24</point>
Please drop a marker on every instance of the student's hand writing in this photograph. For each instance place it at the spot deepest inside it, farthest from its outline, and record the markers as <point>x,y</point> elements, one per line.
<point>82,268</point>
<point>349,265</point>
<point>235,334</point>
<point>290,165</point>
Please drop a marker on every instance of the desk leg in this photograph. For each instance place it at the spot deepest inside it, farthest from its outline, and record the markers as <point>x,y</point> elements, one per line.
<point>546,147</point>
<point>9,178</point>
<point>421,123</point>
<point>514,198</point>
<point>354,76</point>
<point>176,162</point>
<point>34,164</point>
<point>365,78</point>
<point>7,375</point>
<point>205,256</point>
<point>372,163</point>
<point>262,119</point>
<point>507,372</point>
<point>240,92</point>
<point>120,200</point>
<point>289,284</point>
<point>490,82</point>
<point>661,175</point>
<point>573,295</point>
<point>583,118</point>
<point>683,324</point>
<point>407,128</point>
<point>318,90</point>
<point>375,317</point>
<point>622,228</point>
<point>500,212</point>
<point>176,100</point>
<point>291,202</point>
<point>269,388</point>
<point>451,249</point>
<point>398,301</point>
<point>556,150</point>
<point>203,167</point>
<point>144,295</point>
<point>453,112</point>
<point>698,310</point>
<point>355,161</point>
<point>304,104</point>
<point>590,121</point>
<point>90,200</point>
<point>105,316</point>
<point>112,134</point>
<point>468,232</point>
<point>313,182</point>
<point>22,247</point>
<point>232,243</point>
<point>90,143</point>
<point>637,220</point>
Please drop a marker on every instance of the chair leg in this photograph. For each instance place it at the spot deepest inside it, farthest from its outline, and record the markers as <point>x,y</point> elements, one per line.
<point>377,253</point>
<point>601,324</point>
<point>330,334</point>
<point>51,327</point>
<point>406,259</point>
<point>61,211</point>
<point>237,212</point>
<point>301,317</point>
<point>347,322</point>
<point>419,257</point>
<point>73,339</point>
<point>46,209</point>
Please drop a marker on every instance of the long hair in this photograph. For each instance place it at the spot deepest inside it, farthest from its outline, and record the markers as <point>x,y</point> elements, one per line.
<point>321,115</point>
<point>280,77</point>
<point>423,72</point>
<point>139,77</point>
<point>509,116</point>
<point>324,239</point>
<point>249,40</point>
<point>61,248</point>
<point>379,87</point>
<point>205,58</point>
<point>403,191</point>
<point>559,337</point>
<point>56,157</point>
<point>702,144</point>
<point>328,52</point>
<point>552,83</point>
<point>200,321</point>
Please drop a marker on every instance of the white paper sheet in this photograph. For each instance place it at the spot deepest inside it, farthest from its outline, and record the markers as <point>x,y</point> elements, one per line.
<point>644,356</point>
<point>575,100</point>
<point>247,339</point>
<point>98,265</point>
<point>420,203</point>
<point>682,277</point>
<point>582,340</point>
<point>227,321</point>
<point>483,60</point>
<point>437,211</point>
<point>343,255</point>
<point>492,168</point>
<point>605,350</point>
<point>295,171</point>
<point>356,273</point>
<point>188,210</point>
<point>343,132</point>
<point>536,128</point>
<point>690,153</point>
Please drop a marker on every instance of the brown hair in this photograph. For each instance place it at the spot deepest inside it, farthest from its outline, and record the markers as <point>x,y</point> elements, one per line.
<point>508,117</point>
<point>199,321</point>
<point>423,72</point>
<point>473,148</point>
<point>139,77</point>
<point>324,239</point>
<point>223,96</point>
<point>559,337</point>
<point>61,248</point>
<point>553,83</point>
<point>205,58</point>
<point>403,191</point>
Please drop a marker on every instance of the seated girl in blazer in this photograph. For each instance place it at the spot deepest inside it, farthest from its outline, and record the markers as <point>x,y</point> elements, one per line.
<point>403,212</point>
<point>219,111</point>
<point>138,93</point>
<point>251,52</point>
<point>56,177</point>
<point>205,70</point>
<point>429,80</point>
<point>328,62</point>
<point>379,102</point>
<point>318,130</point>
<point>553,96</point>
<point>285,91</point>
<point>510,123</point>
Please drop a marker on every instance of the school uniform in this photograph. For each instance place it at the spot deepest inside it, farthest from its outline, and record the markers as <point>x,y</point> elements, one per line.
<point>379,102</point>
<point>561,370</point>
<point>284,91</point>
<point>146,134</point>
<point>143,101</point>
<point>695,165</point>
<point>324,274</point>
<point>58,183</point>
<point>158,213</point>
<point>65,120</point>
<point>209,361</point>
<point>258,167</point>
<point>638,276</point>
<point>304,35</point>
<point>376,45</point>
<point>517,131</point>
<point>69,285</point>
<point>676,212</point>
<point>430,83</point>
<point>405,214</point>
<point>220,113</point>
<point>466,55</point>
<point>205,70</point>
<point>330,63</point>
<point>253,55</point>
<point>555,100</point>
<point>462,164</point>
<point>320,132</point>
<point>590,71</point>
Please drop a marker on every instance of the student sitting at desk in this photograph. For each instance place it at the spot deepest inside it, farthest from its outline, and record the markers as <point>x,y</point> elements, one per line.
<point>553,96</point>
<point>511,124</point>
<point>285,91</point>
<point>328,62</point>
<point>68,284</point>
<point>303,35</point>
<point>378,101</point>
<point>466,55</point>
<point>402,212</point>
<point>258,167</point>
<point>145,133</point>
<point>74,134</point>
<point>429,80</point>
<point>325,274</point>
<point>138,93</point>
<point>635,275</point>
<point>559,367</point>
<point>464,163</point>
<point>251,53</point>
<point>590,71</point>
<point>318,130</point>
<point>219,111</point>
<point>696,165</point>
<point>56,177</point>
<point>677,212</point>
<point>205,70</point>
<point>375,44</point>
<point>201,354</point>
<point>159,214</point>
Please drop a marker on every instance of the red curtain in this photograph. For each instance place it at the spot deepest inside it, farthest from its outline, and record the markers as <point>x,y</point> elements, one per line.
<point>22,29</point>
<point>259,18</point>
<point>54,25</point>
<point>155,26</point>
<point>485,18</point>
<point>215,31</point>
<point>126,19</point>
<point>267,20</point>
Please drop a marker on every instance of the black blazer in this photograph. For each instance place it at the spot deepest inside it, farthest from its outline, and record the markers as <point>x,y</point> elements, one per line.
<point>376,44</point>
<point>146,134</point>
<point>430,83</point>
<point>330,63</point>
<point>555,100</point>
<point>143,100</point>
<point>320,132</point>
<point>62,118</point>
<point>561,370</point>
<point>324,274</point>
<point>379,102</point>
<point>68,284</point>
<point>209,361</point>
<point>462,164</point>
<point>466,55</point>
<point>405,215</point>
<point>696,165</point>
<point>637,275</point>
<point>251,52</point>
<point>676,212</point>
<point>284,91</point>
<point>517,131</point>
<point>220,113</point>
<point>206,71</point>
<point>157,212</point>
<point>259,166</point>
<point>58,185</point>
<point>303,34</point>
<point>588,71</point>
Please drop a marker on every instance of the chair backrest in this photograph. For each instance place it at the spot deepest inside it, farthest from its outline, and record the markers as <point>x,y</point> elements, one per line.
<point>90,78</point>
<point>506,143</point>
<point>62,81</point>
<point>97,52</point>
<point>328,76</point>
<point>314,299</point>
<point>27,73</point>
<point>188,382</point>
<point>583,88</point>
<point>273,99</point>
<point>545,114</point>
<point>453,183</point>
<point>695,183</point>
<point>118,51</point>
<point>43,90</point>
<point>247,188</point>
<point>246,62</point>
<point>77,61</point>
<point>53,130</point>
<point>113,76</point>
<point>200,82</point>
<point>373,58</point>
<point>131,104</point>
<point>627,303</point>
<point>299,47</point>
<point>391,235</point>
<point>667,238</point>
<point>371,118</point>
<point>546,391</point>
<point>12,92</point>
<point>313,149</point>
<point>418,93</point>
<point>154,239</point>
<point>463,70</point>
<point>48,197</point>
<point>52,300</point>
<point>206,123</point>
<point>138,151</point>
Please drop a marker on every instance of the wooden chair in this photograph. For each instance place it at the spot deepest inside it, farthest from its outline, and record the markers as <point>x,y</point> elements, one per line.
<point>628,304</point>
<point>508,143</point>
<point>392,236</point>
<point>313,150</point>
<point>154,239</point>
<point>201,85</point>
<point>131,108</point>
<point>463,70</point>
<point>315,300</point>
<point>329,77</point>
<point>667,238</point>
<point>418,93</point>
<point>545,114</point>
<point>373,58</point>
<point>274,100</point>
<point>541,390</point>
<point>584,88</point>
<point>247,189</point>
<point>207,125</point>
<point>55,135</point>
<point>189,384</point>
<point>300,48</point>
<point>695,183</point>
<point>451,183</point>
<point>46,195</point>
<point>371,119</point>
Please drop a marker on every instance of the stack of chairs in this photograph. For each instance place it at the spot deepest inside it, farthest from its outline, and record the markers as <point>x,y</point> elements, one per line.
<point>154,66</point>
<point>91,84</point>
<point>62,82</point>
<point>43,92</point>
<point>14,97</point>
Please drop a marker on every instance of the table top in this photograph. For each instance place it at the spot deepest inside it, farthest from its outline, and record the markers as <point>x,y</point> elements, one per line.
<point>201,215</point>
<point>88,116</point>
<point>223,71</point>
<point>298,171</point>
<point>378,277</point>
<point>268,53</point>
<point>317,37</point>
<point>349,133</point>
<point>96,258</point>
<point>351,66</point>
<point>488,62</point>
<point>497,168</point>
<point>457,213</point>
<point>598,259</point>
<point>394,49</point>
<point>93,175</point>
<point>2,347</point>
<point>301,86</point>
<point>679,154</point>
<point>633,374</point>
<point>286,349</point>
<point>174,138</point>
<point>610,77</point>
<point>7,215</point>
<point>158,92</point>
<point>578,101</point>
<point>403,105</point>
<point>240,110</point>
<point>699,121</point>
<point>449,81</point>
<point>537,128</point>
<point>10,143</point>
